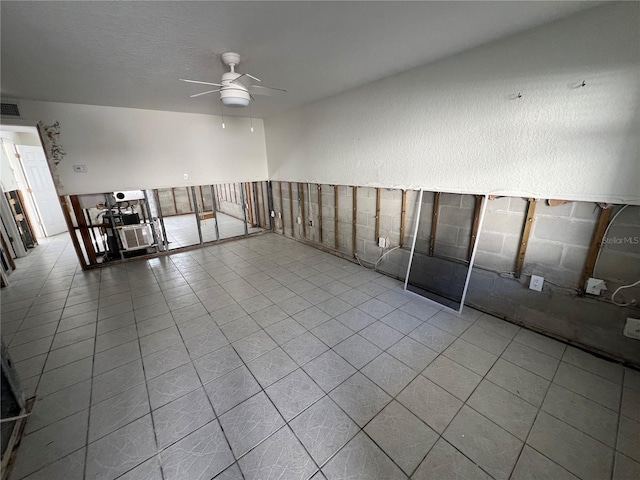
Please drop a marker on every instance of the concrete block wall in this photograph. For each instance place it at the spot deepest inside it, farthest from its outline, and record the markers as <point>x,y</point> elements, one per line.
<point>454,225</point>
<point>558,248</point>
<point>619,261</point>
<point>499,241</point>
<point>559,241</point>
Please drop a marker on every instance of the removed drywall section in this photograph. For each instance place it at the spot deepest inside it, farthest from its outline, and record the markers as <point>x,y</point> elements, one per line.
<point>500,238</point>
<point>560,240</point>
<point>132,149</point>
<point>457,125</point>
<point>559,243</point>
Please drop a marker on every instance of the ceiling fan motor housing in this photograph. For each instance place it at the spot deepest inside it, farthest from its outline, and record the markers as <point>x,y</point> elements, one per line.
<point>233,94</point>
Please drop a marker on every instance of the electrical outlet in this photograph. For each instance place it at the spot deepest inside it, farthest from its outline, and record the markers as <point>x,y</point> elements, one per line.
<point>632,328</point>
<point>186,176</point>
<point>382,242</point>
<point>311,223</point>
<point>80,168</point>
<point>595,286</point>
<point>273,214</point>
<point>298,220</point>
<point>279,214</point>
<point>536,283</point>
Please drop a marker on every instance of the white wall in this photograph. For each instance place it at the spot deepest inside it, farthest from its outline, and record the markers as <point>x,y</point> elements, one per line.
<point>456,125</point>
<point>130,149</point>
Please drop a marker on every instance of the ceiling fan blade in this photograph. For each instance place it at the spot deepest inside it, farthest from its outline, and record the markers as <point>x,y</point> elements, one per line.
<point>268,91</point>
<point>202,83</point>
<point>244,80</point>
<point>204,93</point>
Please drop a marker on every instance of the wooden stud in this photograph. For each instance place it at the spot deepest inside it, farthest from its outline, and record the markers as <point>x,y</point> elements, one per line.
<point>335,206</point>
<point>320,212</point>
<point>596,244</point>
<point>301,202</point>
<point>265,210</point>
<point>250,200</point>
<point>354,220</point>
<point>476,224</point>
<point>378,202</point>
<point>84,229</point>
<point>189,198</point>
<point>5,247</point>
<point>281,205</point>
<point>173,196</point>
<point>526,232</point>
<point>557,203</point>
<point>403,218</point>
<point>72,232</point>
<point>291,205</point>
<point>434,223</point>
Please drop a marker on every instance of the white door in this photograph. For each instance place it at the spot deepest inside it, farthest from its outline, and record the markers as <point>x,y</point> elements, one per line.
<point>39,177</point>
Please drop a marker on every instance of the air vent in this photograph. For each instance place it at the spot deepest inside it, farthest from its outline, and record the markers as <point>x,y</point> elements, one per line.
<point>10,110</point>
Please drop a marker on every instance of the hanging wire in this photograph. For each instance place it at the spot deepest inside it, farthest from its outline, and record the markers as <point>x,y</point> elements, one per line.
<point>222,114</point>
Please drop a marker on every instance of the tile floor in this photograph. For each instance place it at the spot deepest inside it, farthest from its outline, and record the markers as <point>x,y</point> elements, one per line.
<point>264,358</point>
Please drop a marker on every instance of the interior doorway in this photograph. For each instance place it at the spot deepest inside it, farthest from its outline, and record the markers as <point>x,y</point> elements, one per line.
<point>27,172</point>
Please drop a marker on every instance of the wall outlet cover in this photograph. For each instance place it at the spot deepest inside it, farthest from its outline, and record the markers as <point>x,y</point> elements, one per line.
<point>536,283</point>
<point>273,214</point>
<point>632,328</point>
<point>298,220</point>
<point>382,242</point>
<point>80,168</point>
<point>595,286</point>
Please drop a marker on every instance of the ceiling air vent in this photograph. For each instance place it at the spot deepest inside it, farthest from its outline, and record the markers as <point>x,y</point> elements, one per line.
<point>9,110</point>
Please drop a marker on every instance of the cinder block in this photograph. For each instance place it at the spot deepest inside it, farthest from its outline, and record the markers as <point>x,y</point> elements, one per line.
<point>586,210</point>
<point>543,253</point>
<point>498,205</point>
<point>464,237</point>
<point>461,217</point>
<point>494,261</point>
<point>446,234</point>
<point>623,238</point>
<point>563,210</point>
<point>574,258</point>
<point>503,223</point>
<point>490,242</point>
<point>511,246</point>
<point>468,201</point>
<point>450,199</point>
<point>362,218</point>
<point>575,232</point>
<point>390,194</point>
<point>367,204</point>
<point>518,205</point>
<point>620,266</point>
<point>451,251</point>
<point>385,223</point>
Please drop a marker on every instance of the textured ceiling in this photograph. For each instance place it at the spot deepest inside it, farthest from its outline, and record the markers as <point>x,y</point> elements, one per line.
<point>131,54</point>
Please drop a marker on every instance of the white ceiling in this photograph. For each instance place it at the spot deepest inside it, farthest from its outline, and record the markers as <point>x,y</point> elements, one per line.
<point>131,54</point>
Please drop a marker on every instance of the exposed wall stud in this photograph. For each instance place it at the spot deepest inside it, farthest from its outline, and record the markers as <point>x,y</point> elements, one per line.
<point>320,212</point>
<point>266,211</point>
<point>84,229</point>
<point>291,209</point>
<point>250,188</point>
<point>173,196</point>
<point>281,206</point>
<point>526,232</point>
<point>434,223</point>
<point>596,244</point>
<point>302,212</point>
<point>476,224</point>
<point>378,202</point>
<point>335,206</point>
<point>403,218</point>
<point>354,220</point>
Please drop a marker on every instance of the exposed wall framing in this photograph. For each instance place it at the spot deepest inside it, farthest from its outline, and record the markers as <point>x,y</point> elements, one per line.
<point>320,212</point>
<point>434,223</point>
<point>335,206</point>
<point>526,232</point>
<point>354,191</point>
<point>596,244</point>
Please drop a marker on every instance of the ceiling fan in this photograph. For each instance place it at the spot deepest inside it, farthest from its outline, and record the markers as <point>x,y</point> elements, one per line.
<point>236,89</point>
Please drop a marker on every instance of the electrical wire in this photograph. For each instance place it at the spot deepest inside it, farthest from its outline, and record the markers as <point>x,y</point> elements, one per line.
<point>632,302</point>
